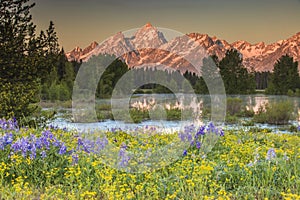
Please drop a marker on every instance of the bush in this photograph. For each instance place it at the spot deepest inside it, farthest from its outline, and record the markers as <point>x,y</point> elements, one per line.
<point>248,123</point>
<point>231,119</point>
<point>234,106</point>
<point>138,116</point>
<point>297,93</point>
<point>290,93</point>
<point>247,113</point>
<point>275,113</point>
<point>59,92</point>
<point>18,100</point>
<point>173,114</point>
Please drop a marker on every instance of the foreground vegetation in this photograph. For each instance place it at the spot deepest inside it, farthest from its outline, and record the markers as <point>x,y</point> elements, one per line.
<point>56,164</point>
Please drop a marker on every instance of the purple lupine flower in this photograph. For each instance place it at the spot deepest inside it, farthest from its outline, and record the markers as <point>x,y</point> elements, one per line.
<point>15,122</point>
<point>271,154</point>
<point>184,153</point>
<point>88,146</point>
<point>123,155</point>
<point>198,145</point>
<point>63,149</point>
<point>11,124</point>
<point>15,146</point>
<point>189,129</point>
<point>8,138</point>
<point>24,146</point>
<point>45,142</point>
<point>181,136</point>
<point>222,134</point>
<point>74,158</point>
<point>186,135</point>
<point>79,142</point>
<point>190,138</point>
<point>2,144</point>
<point>85,144</point>
<point>38,143</point>
<point>124,161</point>
<point>100,144</point>
<point>52,127</point>
<point>48,134</point>
<point>113,130</point>
<point>33,153</point>
<point>211,128</point>
<point>43,154</point>
<point>56,143</point>
<point>201,131</point>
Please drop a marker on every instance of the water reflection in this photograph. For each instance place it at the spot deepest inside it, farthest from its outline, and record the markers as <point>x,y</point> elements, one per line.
<point>252,102</point>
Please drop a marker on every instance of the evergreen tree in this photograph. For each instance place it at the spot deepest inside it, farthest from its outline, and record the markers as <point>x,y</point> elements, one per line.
<point>237,80</point>
<point>19,55</point>
<point>285,76</point>
<point>208,74</point>
<point>49,54</point>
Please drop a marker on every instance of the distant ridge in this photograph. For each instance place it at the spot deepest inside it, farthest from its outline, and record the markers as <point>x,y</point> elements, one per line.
<point>257,57</point>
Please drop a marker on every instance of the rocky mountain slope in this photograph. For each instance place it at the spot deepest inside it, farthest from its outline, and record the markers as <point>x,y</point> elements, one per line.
<point>258,57</point>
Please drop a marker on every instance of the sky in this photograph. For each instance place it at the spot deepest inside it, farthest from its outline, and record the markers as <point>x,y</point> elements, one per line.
<point>80,22</point>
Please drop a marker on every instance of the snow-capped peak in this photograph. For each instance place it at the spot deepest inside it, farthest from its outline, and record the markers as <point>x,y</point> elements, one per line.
<point>259,56</point>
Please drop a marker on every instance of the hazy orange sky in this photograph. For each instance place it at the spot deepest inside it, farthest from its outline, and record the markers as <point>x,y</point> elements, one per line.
<point>79,22</point>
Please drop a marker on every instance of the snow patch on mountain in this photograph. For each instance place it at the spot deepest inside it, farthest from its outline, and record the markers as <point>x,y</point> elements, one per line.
<point>149,45</point>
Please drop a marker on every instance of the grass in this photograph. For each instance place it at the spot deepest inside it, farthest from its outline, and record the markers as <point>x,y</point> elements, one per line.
<point>242,165</point>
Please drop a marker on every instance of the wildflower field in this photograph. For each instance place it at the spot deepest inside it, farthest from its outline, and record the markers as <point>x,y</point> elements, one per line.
<point>57,164</point>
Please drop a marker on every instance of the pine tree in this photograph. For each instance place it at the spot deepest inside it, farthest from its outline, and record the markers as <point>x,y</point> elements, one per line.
<point>50,55</point>
<point>19,55</point>
<point>285,76</point>
<point>237,80</point>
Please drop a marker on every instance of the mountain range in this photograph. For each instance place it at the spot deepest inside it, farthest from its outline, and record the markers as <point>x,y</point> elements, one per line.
<point>258,57</point>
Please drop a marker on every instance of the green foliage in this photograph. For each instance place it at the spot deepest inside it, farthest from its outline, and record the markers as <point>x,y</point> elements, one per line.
<point>234,106</point>
<point>137,116</point>
<point>19,57</point>
<point>31,67</point>
<point>159,89</point>
<point>111,70</point>
<point>261,79</point>
<point>231,119</point>
<point>285,78</point>
<point>237,80</point>
<point>290,93</point>
<point>58,85</point>
<point>275,113</point>
<point>297,93</point>
<point>39,120</point>
<point>173,114</point>
<point>247,113</point>
<point>18,99</point>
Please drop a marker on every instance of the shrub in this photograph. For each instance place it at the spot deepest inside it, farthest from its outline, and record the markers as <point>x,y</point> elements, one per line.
<point>247,113</point>
<point>173,114</point>
<point>297,93</point>
<point>231,119</point>
<point>290,93</point>
<point>234,106</point>
<point>275,113</point>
